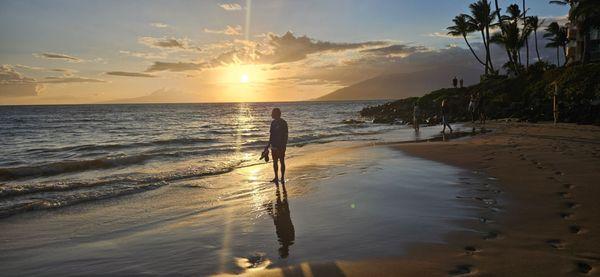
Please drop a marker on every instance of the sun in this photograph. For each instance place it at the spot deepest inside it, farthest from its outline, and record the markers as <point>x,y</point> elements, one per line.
<point>244,78</point>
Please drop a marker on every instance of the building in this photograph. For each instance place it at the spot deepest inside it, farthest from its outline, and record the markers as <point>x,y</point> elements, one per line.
<point>576,37</point>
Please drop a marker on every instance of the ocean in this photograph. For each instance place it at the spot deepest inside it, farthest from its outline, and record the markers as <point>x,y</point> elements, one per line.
<point>55,156</point>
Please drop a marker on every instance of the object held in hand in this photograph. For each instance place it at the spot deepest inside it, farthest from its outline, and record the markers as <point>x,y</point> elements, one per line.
<point>265,155</point>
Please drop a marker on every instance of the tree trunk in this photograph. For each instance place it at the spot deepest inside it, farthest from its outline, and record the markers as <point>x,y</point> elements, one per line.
<point>487,53</point>
<point>487,34</point>
<point>558,56</point>
<point>527,37</point>
<point>537,50</point>
<point>473,51</point>
<point>565,53</point>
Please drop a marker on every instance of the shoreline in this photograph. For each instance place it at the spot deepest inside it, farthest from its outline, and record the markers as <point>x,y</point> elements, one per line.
<point>531,212</point>
<point>548,226</point>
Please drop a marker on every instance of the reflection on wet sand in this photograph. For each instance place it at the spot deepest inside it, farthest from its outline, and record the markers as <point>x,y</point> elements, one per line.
<point>280,212</point>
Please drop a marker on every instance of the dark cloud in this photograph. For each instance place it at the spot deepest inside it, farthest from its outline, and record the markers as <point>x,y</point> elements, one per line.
<point>168,43</point>
<point>395,49</point>
<point>73,79</point>
<point>129,74</point>
<point>175,67</point>
<point>13,84</point>
<point>289,48</point>
<point>58,57</point>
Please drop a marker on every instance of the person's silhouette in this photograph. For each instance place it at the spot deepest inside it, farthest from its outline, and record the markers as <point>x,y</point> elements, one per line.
<point>278,139</point>
<point>284,228</point>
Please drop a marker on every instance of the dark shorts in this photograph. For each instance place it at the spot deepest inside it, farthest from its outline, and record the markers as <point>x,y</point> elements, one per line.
<point>278,152</point>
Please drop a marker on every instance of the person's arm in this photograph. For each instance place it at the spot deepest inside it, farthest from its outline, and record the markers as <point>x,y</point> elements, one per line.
<point>270,136</point>
<point>286,134</point>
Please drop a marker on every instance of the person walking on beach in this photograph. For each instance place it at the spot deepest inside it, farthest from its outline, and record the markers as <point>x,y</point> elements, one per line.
<point>416,115</point>
<point>481,108</point>
<point>445,114</point>
<point>471,108</point>
<point>278,139</point>
<point>462,83</point>
<point>454,82</point>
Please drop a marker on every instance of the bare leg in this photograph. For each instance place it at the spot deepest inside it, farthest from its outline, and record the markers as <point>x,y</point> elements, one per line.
<point>276,169</point>
<point>282,161</point>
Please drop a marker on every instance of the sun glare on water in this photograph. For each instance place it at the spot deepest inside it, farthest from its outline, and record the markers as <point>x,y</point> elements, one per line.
<point>244,78</point>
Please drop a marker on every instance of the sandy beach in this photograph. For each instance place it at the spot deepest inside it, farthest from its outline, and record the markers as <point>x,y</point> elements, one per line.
<point>518,201</point>
<point>545,227</point>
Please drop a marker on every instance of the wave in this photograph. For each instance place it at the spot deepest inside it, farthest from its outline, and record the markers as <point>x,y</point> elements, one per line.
<point>130,180</point>
<point>96,147</point>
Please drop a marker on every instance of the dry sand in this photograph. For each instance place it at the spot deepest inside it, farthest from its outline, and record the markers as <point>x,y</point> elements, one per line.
<point>547,226</point>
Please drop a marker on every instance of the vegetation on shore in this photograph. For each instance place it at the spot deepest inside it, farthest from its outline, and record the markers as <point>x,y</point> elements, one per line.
<point>527,91</point>
<point>526,97</point>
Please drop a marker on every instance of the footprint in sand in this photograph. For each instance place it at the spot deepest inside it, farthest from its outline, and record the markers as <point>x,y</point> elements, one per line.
<point>576,229</point>
<point>583,267</point>
<point>572,205</point>
<point>564,195</point>
<point>491,235</point>
<point>470,250</point>
<point>566,215</point>
<point>569,186</point>
<point>461,270</point>
<point>558,172</point>
<point>556,243</point>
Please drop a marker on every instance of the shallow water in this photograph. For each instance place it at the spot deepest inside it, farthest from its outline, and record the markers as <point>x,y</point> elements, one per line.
<point>369,202</point>
<point>54,156</point>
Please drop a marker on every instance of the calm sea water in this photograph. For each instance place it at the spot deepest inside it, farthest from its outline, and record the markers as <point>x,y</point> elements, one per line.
<point>53,156</point>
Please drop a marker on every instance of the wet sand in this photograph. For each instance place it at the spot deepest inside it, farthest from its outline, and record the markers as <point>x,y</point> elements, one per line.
<point>341,202</point>
<point>547,226</point>
<point>520,201</point>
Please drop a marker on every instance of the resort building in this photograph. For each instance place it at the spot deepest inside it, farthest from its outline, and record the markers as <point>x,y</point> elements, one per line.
<point>575,48</point>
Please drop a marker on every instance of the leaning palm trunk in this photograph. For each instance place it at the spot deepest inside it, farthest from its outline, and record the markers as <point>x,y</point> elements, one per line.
<point>473,51</point>
<point>489,52</point>
<point>500,20</point>
<point>537,50</point>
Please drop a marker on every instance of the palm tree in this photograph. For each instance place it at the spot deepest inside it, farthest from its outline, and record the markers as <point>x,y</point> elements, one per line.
<point>482,19</point>
<point>557,35</point>
<point>527,31</point>
<point>501,22</point>
<point>512,39</point>
<point>534,23</point>
<point>463,28</point>
<point>513,17</point>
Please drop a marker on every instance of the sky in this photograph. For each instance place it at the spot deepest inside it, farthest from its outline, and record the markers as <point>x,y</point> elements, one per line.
<point>107,51</point>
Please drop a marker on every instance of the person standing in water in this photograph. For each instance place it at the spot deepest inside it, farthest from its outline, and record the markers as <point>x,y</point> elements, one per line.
<point>455,82</point>
<point>416,114</point>
<point>445,114</point>
<point>278,139</point>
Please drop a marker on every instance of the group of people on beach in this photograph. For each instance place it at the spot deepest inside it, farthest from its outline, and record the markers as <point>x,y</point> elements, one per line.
<point>476,109</point>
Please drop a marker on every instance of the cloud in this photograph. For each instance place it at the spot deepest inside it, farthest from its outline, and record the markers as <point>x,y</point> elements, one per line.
<point>13,84</point>
<point>289,48</point>
<point>72,79</point>
<point>64,71</point>
<point>58,56</point>
<point>231,6</point>
<point>229,30</point>
<point>142,55</point>
<point>129,74</point>
<point>159,25</point>
<point>168,43</point>
<point>395,49</point>
<point>175,67</point>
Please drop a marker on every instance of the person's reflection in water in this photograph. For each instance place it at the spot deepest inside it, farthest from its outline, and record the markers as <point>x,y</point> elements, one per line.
<point>283,222</point>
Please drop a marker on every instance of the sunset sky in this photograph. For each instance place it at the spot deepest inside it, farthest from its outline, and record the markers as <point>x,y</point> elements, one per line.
<point>94,51</point>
